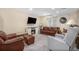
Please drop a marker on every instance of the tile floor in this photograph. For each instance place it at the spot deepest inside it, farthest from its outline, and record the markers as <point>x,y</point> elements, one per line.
<point>40,44</point>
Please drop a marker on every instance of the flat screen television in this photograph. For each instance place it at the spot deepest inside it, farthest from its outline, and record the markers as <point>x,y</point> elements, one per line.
<point>31,20</point>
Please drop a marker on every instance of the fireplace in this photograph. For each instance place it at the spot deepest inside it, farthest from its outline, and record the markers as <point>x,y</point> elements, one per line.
<point>33,31</point>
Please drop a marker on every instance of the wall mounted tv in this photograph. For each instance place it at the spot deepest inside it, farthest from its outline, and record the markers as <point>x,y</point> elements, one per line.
<point>31,20</point>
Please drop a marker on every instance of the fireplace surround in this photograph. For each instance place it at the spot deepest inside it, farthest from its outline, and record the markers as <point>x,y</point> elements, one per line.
<point>32,29</point>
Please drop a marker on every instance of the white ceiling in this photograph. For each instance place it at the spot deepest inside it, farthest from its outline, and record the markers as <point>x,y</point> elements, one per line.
<point>47,11</point>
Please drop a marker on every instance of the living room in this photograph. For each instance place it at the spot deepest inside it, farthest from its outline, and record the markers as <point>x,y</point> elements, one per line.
<point>49,21</point>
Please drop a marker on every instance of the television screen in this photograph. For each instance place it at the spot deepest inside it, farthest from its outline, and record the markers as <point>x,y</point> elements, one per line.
<point>31,20</point>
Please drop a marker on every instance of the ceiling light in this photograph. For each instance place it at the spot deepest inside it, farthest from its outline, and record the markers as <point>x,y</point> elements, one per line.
<point>46,14</point>
<point>52,8</point>
<point>30,9</point>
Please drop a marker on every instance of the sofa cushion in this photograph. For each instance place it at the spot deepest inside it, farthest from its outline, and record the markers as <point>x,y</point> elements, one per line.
<point>1,41</point>
<point>45,28</point>
<point>10,36</point>
<point>3,35</point>
<point>12,40</point>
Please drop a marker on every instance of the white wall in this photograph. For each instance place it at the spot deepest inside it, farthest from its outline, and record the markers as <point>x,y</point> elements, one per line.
<point>77,17</point>
<point>1,23</point>
<point>42,20</point>
<point>46,20</point>
<point>14,21</point>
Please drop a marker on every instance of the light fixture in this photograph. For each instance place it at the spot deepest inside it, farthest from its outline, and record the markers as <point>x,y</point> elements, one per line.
<point>52,8</point>
<point>46,14</point>
<point>30,9</point>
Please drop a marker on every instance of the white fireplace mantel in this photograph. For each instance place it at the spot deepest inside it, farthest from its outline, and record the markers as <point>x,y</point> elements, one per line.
<point>30,27</point>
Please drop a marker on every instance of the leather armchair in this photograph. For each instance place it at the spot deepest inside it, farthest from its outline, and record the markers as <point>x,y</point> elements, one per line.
<point>16,45</point>
<point>5,37</point>
<point>10,42</point>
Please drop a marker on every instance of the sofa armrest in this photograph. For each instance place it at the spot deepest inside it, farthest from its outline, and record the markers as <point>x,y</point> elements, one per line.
<point>12,40</point>
<point>16,45</point>
<point>10,36</point>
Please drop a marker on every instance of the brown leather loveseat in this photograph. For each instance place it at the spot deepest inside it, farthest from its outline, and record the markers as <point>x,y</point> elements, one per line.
<point>10,42</point>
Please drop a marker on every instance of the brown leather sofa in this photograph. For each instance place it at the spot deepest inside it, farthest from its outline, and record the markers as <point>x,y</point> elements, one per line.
<point>50,30</point>
<point>10,42</point>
